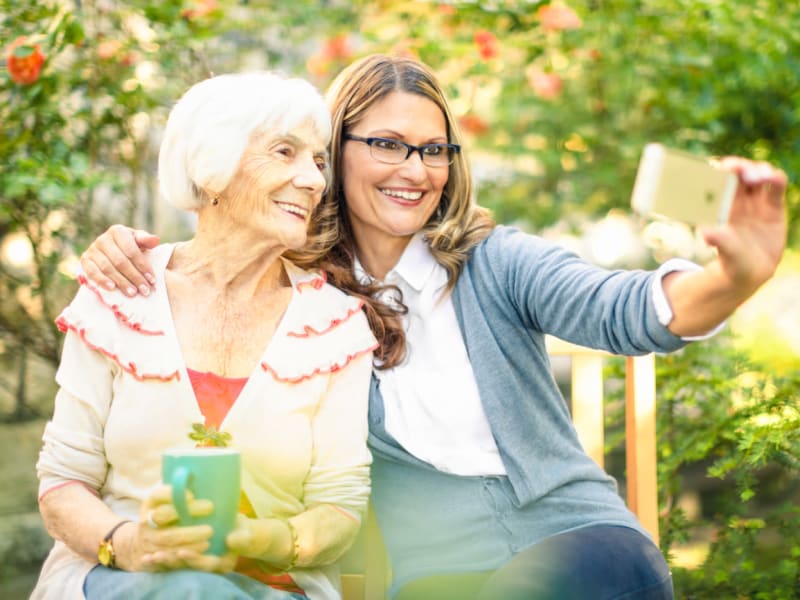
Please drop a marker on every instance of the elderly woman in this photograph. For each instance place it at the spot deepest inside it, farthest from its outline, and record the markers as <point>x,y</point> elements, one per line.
<point>235,337</point>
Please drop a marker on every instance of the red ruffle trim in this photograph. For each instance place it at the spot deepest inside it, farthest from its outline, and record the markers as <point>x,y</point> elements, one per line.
<point>122,317</point>
<point>323,371</point>
<point>315,283</point>
<point>308,330</point>
<point>64,326</point>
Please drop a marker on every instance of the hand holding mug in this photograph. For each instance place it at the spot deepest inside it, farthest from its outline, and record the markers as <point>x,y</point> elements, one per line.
<point>157,544</point>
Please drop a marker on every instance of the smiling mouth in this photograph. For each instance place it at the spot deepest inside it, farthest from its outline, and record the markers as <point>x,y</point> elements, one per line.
<point>403,195</point>
<point>293,209</point>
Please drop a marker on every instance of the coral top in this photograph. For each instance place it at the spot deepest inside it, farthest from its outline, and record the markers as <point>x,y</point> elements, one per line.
<point>215,394</point>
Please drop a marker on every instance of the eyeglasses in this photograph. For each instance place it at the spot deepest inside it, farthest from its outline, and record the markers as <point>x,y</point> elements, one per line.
<point>393,152</point>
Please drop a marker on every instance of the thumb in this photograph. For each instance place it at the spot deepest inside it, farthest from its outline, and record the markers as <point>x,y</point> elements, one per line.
<point>714,236</point>
<point>144,239</point>
<point>241,537</point>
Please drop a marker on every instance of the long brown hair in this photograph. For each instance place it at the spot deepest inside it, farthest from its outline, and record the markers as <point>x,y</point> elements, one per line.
<point>455,227</point>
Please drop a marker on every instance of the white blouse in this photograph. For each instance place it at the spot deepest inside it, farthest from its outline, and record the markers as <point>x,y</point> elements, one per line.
<point>431,400</point>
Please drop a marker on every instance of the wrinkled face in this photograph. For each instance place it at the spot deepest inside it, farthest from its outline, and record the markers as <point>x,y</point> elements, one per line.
<point>387,204</point>
<point>279,181</point>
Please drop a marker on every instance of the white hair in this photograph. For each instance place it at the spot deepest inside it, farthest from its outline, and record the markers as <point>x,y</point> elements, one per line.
<point>210,126</point>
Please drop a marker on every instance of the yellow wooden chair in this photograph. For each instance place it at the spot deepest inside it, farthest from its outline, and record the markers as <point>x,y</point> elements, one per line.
<point>365,568</point>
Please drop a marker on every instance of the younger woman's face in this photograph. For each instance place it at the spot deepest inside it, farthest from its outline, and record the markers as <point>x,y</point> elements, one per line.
<point>388,203</point>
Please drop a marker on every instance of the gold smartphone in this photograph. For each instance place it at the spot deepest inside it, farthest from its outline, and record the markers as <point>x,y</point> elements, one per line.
<point>676,185</point>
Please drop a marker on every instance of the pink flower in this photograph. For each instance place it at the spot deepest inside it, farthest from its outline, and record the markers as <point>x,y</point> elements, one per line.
<point>558,17</point>
<point>547,86</point>
<point>108,48</point>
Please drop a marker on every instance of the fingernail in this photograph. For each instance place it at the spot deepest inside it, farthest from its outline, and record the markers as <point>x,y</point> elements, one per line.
<point>130,291</point>
<point>151,278</point>
<point>750,175</point>
<point>144,289</point>
<point>109,285</point>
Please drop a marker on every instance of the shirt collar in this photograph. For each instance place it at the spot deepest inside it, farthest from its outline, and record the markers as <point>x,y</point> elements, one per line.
<point>415,267</point>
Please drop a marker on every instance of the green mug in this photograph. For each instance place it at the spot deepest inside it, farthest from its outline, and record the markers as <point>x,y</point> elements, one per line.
<point>209,473</point>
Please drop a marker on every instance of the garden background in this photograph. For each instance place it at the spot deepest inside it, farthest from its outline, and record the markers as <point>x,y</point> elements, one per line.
<point>556,101</point>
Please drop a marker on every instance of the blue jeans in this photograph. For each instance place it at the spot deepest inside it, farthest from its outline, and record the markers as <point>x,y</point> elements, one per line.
<point>109,584</point>
<point>593,563</point>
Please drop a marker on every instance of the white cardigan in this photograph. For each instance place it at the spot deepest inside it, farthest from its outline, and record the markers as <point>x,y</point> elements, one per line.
<point>300,421</point>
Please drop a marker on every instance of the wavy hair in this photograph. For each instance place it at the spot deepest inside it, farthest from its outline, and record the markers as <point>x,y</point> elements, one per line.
<point>454,228</point>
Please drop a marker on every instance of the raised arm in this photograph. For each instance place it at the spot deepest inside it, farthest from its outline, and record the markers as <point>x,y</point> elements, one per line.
<point>749,248</point>
<point>116,260</point>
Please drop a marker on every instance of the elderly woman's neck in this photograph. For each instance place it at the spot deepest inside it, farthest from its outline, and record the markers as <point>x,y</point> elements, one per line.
<point>228,264</point>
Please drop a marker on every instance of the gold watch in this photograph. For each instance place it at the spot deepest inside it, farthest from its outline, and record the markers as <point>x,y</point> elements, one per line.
<point>105,553</point>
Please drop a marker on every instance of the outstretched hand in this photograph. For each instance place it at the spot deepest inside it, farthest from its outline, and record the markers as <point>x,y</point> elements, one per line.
<point>750,245</point>
<point>115,260</point>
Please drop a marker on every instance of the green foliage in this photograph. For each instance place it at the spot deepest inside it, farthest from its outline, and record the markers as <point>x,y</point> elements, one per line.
<point>709,77</point>
<point>741,426</point>
<point>209,436</point>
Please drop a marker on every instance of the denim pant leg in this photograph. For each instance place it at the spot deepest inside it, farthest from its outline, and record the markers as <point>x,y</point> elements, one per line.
<point>592,563</point>
<point>109,584</point>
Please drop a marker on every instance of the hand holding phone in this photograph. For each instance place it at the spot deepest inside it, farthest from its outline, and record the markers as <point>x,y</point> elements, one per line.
<point>676,185</point>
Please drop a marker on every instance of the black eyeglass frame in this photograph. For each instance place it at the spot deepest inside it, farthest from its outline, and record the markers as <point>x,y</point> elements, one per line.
<point>369,141</point>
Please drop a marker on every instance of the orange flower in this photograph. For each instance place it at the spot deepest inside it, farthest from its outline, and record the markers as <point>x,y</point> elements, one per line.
<point>338,47</point>
<point>24,61</point>
<point>472,123</point>
<point>200,8</point>
<point>558,17</point>
<point>487,44</point>
<point>545,85</point>
<point>108,48</point>
<point>446,9</point>
<point>318,65</point>
<point>334,51</point>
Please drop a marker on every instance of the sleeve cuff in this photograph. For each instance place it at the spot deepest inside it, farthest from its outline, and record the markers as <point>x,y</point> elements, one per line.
<point>663,308</point>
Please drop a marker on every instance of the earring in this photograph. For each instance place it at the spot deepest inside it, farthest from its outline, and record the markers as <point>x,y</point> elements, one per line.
<point>214,200</point>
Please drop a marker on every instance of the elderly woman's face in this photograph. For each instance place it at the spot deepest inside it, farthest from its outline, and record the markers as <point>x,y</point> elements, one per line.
<point>279,181</point>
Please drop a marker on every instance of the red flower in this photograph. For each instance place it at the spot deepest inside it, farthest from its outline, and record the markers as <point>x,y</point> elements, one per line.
<point>24,61</point>
<point>487,44</point>
<point>545,85</point>
<point>472,123</point>
<point>558,17</point>
<point>338,48</point>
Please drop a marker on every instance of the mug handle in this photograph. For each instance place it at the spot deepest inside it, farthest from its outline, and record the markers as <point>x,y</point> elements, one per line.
<point>181,477</point>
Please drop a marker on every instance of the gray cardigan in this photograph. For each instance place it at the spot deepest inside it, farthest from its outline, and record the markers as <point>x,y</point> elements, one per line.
<point>514,289</point>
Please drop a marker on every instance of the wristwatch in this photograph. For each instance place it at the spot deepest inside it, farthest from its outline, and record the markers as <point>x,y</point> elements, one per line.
<point>105,553</point>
